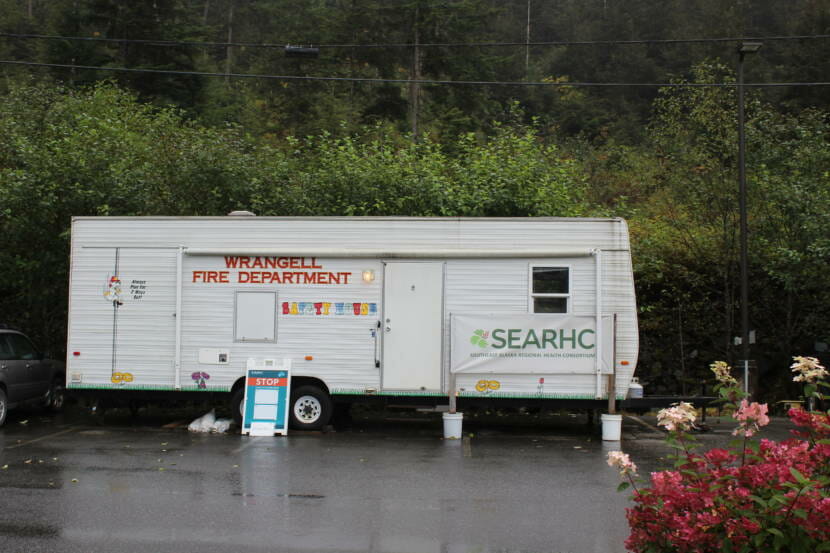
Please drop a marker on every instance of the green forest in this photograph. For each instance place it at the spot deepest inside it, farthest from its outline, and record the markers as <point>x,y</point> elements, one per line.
<point>476,108</point>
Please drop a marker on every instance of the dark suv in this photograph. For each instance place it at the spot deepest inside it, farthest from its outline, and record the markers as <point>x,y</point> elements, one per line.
<point>26,375</point>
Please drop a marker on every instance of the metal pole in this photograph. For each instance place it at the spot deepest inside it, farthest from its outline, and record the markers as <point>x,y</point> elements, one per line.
<point>527,44</point>
<point>743,216</point>
<point>743,49</point>
<point>612,378</point>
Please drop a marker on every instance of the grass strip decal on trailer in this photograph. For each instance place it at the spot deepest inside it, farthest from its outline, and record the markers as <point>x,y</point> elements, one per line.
<point>147,387</point>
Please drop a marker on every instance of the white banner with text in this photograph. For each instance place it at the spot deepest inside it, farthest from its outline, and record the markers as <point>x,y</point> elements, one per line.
<point>510,343</point>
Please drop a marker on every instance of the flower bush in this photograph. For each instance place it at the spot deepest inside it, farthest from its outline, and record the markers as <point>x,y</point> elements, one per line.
<point>756,496</point>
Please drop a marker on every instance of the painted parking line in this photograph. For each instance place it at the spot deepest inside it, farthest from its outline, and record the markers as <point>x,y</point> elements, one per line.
<point>52,435</point>
<point>644,423</point>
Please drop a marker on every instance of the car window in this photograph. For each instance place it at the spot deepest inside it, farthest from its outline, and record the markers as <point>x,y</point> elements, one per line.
<point>5,348</point>
<point>22,348</point>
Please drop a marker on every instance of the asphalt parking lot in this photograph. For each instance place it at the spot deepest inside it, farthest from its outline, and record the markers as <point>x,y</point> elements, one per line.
<point>386,483</point>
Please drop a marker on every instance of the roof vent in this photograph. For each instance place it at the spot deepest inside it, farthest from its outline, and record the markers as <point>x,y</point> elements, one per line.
<point>241,213</point>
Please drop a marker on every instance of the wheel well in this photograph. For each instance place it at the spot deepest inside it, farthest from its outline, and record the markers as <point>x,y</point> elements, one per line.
<point>296,381</point>
<point>3,387</point>
<point>240,382</point>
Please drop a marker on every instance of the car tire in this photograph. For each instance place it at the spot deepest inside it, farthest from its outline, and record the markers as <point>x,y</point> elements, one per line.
<point>4,407</point>
<point>237,400</point>
<point>310,408</point>
<point>57,396</point>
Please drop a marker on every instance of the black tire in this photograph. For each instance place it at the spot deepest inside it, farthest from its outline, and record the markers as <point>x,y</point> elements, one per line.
<point>4,407</point>
<point>56,397</point>
<point>310,408</point>
<point>237,398</point>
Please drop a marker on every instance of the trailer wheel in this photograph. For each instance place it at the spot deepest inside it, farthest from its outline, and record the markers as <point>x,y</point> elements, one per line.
<point>237,399</point>
<point>310,409</point>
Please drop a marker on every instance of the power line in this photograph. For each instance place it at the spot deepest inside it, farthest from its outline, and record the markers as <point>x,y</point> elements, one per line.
<point>407,81</point>
<point>161,42</point>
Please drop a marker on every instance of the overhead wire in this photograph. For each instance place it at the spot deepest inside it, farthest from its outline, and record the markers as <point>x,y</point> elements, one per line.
<point>376,80</point>
<point>162,42</point>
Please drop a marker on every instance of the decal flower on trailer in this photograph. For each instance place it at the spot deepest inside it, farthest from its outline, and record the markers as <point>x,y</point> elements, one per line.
<point>200,378</point>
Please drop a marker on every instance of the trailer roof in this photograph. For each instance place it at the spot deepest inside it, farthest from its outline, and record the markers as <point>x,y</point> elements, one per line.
<point>339,217</point>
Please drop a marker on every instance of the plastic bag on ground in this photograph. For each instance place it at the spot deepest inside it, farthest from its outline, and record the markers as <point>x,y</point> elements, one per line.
<point>204,423</point>
<point>221,426</point>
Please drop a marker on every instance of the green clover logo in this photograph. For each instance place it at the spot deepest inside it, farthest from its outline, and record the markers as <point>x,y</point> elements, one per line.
<point>479,338</point>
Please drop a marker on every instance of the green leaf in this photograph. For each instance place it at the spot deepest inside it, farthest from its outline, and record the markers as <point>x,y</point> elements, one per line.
<point>800,513</point>
<point>759,501</point>
<point>623,486</point>
<point>799,477</point>
<point>775,532</point>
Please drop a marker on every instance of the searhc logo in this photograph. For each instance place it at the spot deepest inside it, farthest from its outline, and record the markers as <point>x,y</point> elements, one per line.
<point>543,338</point>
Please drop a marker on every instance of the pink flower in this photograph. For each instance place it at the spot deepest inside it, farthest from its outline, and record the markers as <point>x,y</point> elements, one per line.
<point>622,462</point>
<point>817,424</point>
<point>680,416</point>
<point>755,412</point>
<point>752,417</point>
<point>808,369</point>
<point>719,456</point>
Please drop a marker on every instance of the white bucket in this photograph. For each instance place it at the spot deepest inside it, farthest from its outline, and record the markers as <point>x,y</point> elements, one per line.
<point>452,425</point>
<point>611,427</point>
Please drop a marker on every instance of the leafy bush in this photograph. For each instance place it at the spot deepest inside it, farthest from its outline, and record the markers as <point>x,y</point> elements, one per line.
<point>752,497</point>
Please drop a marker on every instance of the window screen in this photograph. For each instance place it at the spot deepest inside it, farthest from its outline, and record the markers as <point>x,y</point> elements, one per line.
<point>550,289</point>
<point>255,319</point>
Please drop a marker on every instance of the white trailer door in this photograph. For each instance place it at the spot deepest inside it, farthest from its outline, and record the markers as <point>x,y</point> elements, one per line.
<point>123,321</point>
<point>413,297</point>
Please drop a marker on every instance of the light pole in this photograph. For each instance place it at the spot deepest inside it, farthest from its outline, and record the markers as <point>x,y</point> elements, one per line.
<point>743,49</point>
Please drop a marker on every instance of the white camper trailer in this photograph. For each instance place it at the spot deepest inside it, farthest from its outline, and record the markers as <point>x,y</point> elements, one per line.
<point>410,310</point>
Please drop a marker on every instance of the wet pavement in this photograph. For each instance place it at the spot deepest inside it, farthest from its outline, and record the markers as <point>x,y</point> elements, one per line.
<point>388,483</point>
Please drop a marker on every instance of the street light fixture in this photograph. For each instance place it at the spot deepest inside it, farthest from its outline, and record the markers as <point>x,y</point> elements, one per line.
<point>744,48</point>
<point>301,51</point>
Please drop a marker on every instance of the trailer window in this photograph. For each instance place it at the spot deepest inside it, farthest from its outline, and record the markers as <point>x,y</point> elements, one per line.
<point>550,289</point>
<point>255,317</point>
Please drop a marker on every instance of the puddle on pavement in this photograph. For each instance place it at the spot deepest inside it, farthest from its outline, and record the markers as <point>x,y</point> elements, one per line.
<point>28,530</point>
<point>288,495</point>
